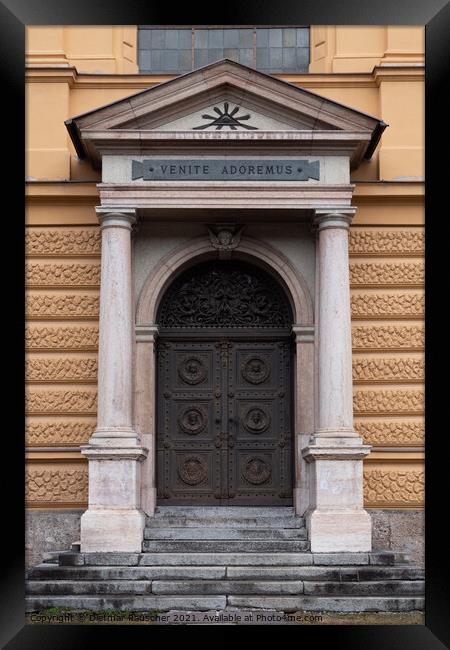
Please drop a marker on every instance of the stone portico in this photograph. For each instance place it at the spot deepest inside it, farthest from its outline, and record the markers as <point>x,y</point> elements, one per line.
<point>295,230</point>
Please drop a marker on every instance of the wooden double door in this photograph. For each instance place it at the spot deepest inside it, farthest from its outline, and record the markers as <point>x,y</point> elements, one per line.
<point>224,421</point>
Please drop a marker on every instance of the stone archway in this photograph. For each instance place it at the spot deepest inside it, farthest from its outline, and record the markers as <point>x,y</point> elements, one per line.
<point>224,403</point>
<point>272,261</point>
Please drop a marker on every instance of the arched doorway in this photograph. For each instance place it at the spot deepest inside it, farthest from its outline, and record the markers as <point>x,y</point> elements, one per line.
<point>224,403</point>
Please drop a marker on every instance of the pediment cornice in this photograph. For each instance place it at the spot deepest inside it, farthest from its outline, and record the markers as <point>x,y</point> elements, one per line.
<point>269,111</point>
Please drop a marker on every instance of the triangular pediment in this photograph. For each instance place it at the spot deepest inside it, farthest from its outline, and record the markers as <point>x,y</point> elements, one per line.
<point>220,100</point>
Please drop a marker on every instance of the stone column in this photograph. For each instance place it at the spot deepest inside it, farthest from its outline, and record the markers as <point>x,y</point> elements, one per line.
<point>114,520</point>
<point>336,518</point>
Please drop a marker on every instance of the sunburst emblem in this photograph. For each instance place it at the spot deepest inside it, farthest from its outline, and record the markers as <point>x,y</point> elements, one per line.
<point>231,120</point>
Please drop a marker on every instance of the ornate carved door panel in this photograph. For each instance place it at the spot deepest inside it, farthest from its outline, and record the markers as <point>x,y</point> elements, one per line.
<point>259,433</point>
<point>224,420</point>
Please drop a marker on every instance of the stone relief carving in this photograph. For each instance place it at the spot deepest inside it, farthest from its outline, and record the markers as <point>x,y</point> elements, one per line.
<point>387,274</point>
<point>398,432</point>
<point>383,487</point>
<point>398,370</point>
<point>64,433</point>
<point>61,401</point>
<point>56,485</point>
<point>61,369</point>
<point>61,338</point>
<point>388,336</point>
<point>225,237</point>
<point>63,242</point>
<point>66,306</point>
<point>388,401</point>
<point>385,305</point>
<point>385,242</point>
<point>42,275</point>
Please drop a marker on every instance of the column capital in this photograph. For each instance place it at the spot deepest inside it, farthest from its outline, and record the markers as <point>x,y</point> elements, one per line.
<point>303,333</point>
<point>146,333</point>
<point>116,217</point>
<point>333,218</point>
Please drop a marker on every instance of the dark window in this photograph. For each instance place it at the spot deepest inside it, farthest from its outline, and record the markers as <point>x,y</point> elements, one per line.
<point>269,49</point>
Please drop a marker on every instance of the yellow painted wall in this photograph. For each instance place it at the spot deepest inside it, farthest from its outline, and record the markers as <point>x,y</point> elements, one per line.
<point>378,70</point>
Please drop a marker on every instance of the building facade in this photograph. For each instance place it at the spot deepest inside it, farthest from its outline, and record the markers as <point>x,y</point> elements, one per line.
<point>225,281</point>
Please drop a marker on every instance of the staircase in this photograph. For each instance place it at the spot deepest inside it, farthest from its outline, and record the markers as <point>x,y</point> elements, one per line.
<point>216,558</point>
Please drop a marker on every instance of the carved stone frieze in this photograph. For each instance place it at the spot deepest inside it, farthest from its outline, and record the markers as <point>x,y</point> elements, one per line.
<point>393,487</point>
<point>399,369</point>
<point>67,306</point>
<point>379,337</point>
<point>388,401</point>
<point>58,433</point>
<point>387,273</point>
<point>386,242</point>
<point>392,433</point>
<point>62,242</point>
<point>56,485</point>
<point>395,305</point>
<point>62,275</point>
<point>61,338</point>
<point>61,369</point>
<point>61,401</point>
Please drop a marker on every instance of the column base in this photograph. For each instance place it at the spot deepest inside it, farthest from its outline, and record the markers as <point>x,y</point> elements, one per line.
<point>112,531</point>
<point>336,532</point>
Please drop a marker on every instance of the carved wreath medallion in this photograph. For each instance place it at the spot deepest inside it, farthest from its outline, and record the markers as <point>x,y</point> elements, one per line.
<point>192,470</point>
<point>192,370</point>
<point>255,370</point>
<point>256,470</point>
<point>192,420</point>
<point>256,419</point>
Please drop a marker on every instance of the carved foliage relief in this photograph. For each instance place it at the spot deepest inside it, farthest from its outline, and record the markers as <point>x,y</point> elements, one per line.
<point>61,338</point>
<point>222,295</point>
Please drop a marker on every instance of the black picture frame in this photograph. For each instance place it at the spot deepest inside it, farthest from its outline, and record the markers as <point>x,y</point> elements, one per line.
<point>15,15</point>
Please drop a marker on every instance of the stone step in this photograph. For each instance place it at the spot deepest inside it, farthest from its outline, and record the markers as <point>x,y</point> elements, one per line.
<point>221,587</point>
<point>329,604</point>
<point>334,573</point>
<point>247,558</point>
<point>167,521</point>
<point>248,534</point>
<point>89,587</point>
<point>44,572</point>
<point>223,546</point>
<point>126,603</point>
<point>202,603</point>
<point>225,511</point>
<point>220,572</point>
<point>224,587</point>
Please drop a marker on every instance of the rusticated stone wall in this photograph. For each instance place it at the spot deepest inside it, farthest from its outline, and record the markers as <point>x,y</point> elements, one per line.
<point>61,337</point>
<point>387,302</point>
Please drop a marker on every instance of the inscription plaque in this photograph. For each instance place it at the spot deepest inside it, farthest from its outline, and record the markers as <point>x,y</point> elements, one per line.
<point>217,169</point>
